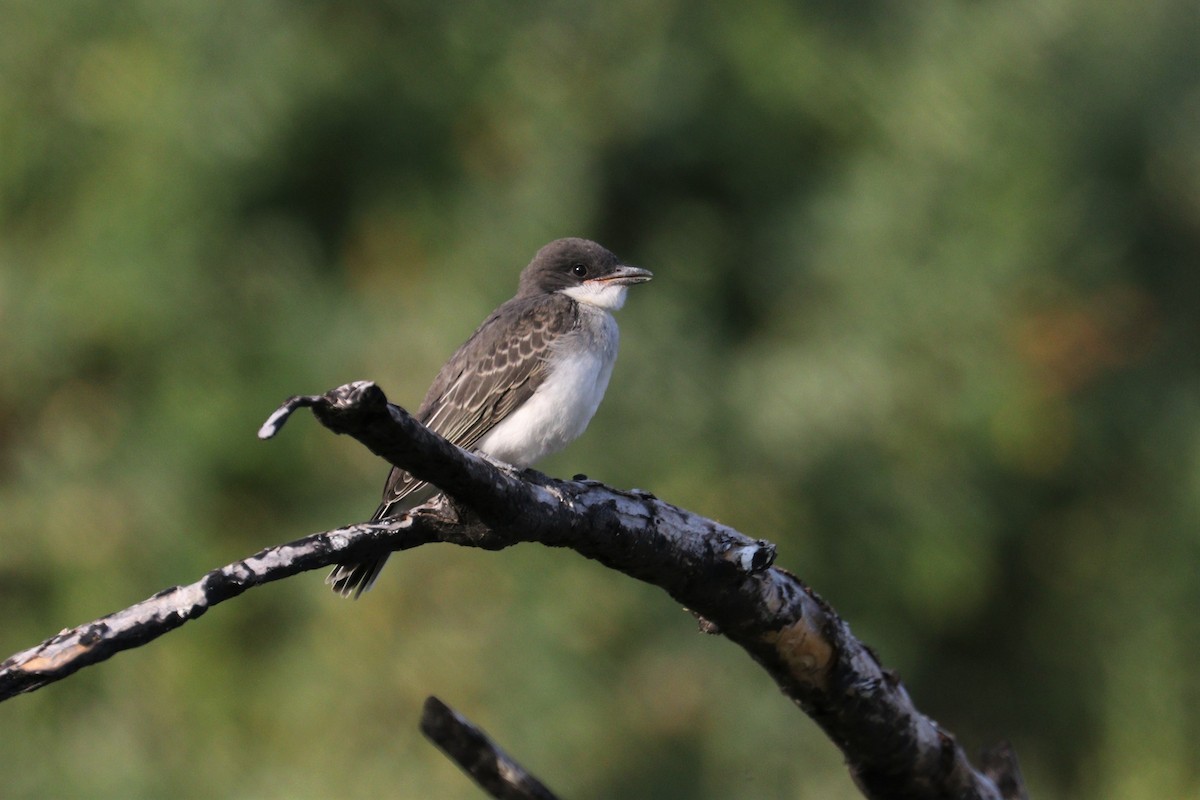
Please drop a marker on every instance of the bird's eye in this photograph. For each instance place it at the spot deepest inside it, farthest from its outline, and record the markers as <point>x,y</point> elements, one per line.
<point>578,270</point>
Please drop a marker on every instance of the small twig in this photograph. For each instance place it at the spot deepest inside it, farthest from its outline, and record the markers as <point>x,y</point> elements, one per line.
<point>276,421</point>
<point>478,756</point>
<point>999,762</point>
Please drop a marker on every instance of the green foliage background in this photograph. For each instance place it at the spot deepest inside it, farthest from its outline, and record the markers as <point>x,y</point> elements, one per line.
<point>925,315</point>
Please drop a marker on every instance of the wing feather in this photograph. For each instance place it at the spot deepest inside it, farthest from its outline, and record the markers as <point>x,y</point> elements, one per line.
<point>496,370</point>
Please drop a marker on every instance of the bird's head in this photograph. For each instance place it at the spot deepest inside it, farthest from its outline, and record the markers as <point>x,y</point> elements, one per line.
<point>582,270</point>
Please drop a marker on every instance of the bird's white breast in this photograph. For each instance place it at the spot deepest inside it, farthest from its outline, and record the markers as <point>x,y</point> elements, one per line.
<point>558,412</point>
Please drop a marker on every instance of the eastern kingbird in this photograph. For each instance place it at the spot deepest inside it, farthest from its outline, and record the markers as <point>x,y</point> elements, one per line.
<point>528,380</point>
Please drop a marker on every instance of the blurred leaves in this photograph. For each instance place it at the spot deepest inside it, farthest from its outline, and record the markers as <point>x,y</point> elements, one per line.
<point>924,314</point>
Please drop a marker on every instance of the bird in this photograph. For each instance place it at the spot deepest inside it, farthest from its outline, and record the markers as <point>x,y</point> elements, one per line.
<point>527,381</point>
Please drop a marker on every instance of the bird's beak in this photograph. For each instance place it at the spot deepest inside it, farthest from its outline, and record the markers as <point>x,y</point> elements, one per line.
<point>625,275</point>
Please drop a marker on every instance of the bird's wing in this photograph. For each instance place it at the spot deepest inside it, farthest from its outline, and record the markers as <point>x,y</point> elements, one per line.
<point>493,373</point>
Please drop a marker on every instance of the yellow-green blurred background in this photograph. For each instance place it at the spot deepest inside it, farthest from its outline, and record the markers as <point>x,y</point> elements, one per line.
<point>926,314</point>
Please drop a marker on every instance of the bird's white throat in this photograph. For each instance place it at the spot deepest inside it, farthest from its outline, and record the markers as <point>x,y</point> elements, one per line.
<point>602,294</point>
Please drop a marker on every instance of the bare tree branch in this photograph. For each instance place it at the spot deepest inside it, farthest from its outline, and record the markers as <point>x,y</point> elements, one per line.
<point>726,578</point>
<point>75,648</point>
<point>478,756</point>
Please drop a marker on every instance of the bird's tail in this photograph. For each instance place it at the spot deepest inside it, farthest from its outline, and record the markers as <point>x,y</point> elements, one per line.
<point>351,580</point>
<point>354,578</point>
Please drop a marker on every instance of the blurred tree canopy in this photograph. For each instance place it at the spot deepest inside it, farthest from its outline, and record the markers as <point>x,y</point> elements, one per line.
<point>925,314</point>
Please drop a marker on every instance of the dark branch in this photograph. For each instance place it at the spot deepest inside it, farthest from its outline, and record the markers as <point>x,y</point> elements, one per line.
<point>75,648</point>
<point>478,756</point>
<point>724,577</point>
